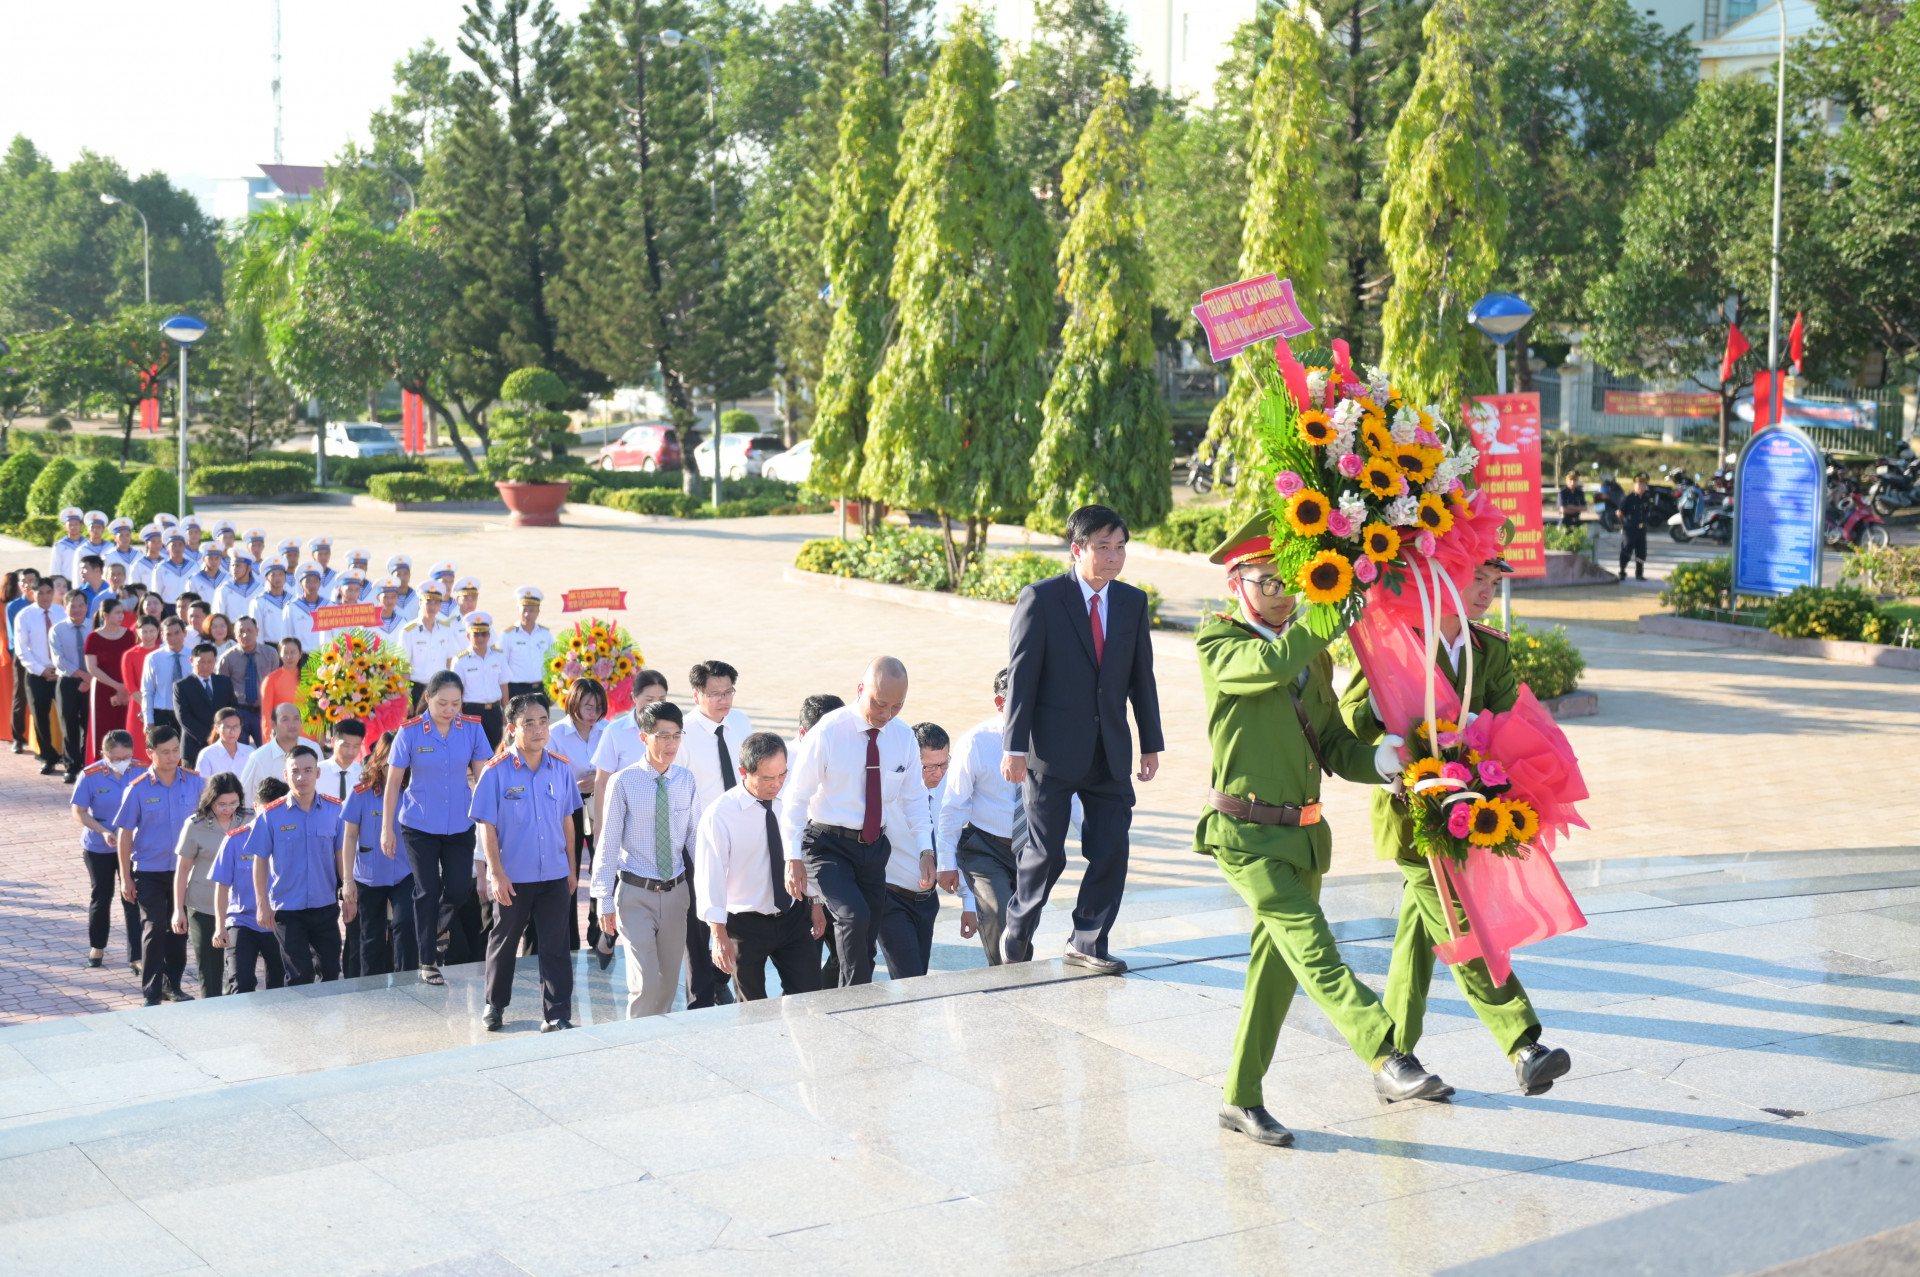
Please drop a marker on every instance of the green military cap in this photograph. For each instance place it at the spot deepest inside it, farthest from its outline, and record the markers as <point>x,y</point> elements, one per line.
<point>1248,543</point>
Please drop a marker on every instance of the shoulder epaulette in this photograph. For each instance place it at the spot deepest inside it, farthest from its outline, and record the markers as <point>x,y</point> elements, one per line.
<point>469,718</point>
<point>330,798</point>
<point>562,757</point>
<point>94,769</point>
<point>237,830</point>
<point>361,788</point>
<point>188,771</point>
<point>1488,629</point>
<point>421,718</point>
<point>281,801</point>
<point>497,759</point>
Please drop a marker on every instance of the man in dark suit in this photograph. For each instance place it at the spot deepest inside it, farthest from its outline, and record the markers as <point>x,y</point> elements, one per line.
<point>1081,651</point>
<point>196,697</point>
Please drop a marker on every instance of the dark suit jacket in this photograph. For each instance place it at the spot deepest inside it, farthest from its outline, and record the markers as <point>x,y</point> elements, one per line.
<point>1060,705</point>
<point>196,711</point>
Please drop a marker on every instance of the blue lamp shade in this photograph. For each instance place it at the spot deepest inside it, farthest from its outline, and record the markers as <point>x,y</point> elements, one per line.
<point>1500,316</point>
<point>184,329</point>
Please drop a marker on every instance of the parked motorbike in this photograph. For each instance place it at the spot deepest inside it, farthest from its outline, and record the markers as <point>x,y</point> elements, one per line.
<point>1697,519</point>
<point>1201,474</point>
<point>1896,482</point>
<point>1851,521</point>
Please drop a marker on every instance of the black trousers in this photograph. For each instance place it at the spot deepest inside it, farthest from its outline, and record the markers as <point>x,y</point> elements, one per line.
<point>103,877</point>
<point>544,906</point>
<point>515,690</point>
<point>385,918</point>
<point>852,878</point>
<point>785,939</point>
<point>18,709</point>
<point>1107,806</point>
<point>1633,544</point>
<point>250,725</point>
<point>207,956</point>
<point>706,985</point>
<point>246,948</point>
<point>493,720</point>
<point>40,695</point>
<point>442,882</point>
<point>309,938</point>
<point>906,931</point>
<point>190,746</point>
<point>990,868</point>
<point>73,724</point>
<point>163,957</point>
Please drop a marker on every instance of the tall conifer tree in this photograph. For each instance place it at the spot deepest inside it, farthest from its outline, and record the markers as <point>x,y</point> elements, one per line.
<point>956,404</point>
<point>1445,218</point>
<point>1284,225</point>
<point>1106,436</point>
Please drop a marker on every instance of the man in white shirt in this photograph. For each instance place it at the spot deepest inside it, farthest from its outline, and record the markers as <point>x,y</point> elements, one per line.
<point>60,561</point>
<point>525,645</point>
<point>33,648</point>
<point>639,881</point>
<point>711,751</point>
<point>225,533</point>
<point>983,818</point>
<point>387,595</point>
<point>269,761</point>
<point>170,578</point>
<point>311,580</point>
<point>320,553</point>
<point>234,599</point>
<point>740,881</point>
<point>211,574</point>
<point>190,528</point>
<point>257,543</point>
<point>856,791</point>
<point>123,551</point>
<point>152,555</point>
<point>407,602</point>
<point>483,672</point>
<point>288,552</point>
<point>620,745</point>
<point>428,643</point>
<point>272,609</point>
<point>912,901</point>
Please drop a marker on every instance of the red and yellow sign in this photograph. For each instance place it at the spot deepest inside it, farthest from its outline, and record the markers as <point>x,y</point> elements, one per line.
<point>1506,430</point>
<point>344,615</point>
<point>1660,403</point>
<point>1237,316</point>
<point>606,600</point>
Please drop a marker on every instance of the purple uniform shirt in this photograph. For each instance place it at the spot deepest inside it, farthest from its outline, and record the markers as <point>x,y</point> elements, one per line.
<point>99,791</point>
<point>234,866</point>
<point>300,847</point>
<point>371,868</point>
<point>437,796</point>
<point>157,813</point>
<point>529,809</point>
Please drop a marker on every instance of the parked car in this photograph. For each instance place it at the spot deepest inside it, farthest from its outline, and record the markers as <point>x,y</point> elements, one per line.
<point>741,455</point>
<point>642,448</point>
<point>358,439</point>
<point>791,466</point>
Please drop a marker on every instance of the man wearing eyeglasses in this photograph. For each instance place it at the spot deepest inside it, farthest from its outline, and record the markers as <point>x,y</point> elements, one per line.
<point>1275,728</point>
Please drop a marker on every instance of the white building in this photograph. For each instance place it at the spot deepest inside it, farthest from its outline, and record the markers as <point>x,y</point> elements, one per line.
<point>235,197</point>
<point>1751,46</point>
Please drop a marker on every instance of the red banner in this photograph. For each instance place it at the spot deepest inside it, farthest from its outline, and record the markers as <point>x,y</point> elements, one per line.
<point>1661,403</point>
<point>343,615</point>
<point>413,423</point>
<point>150,415</point>
<point>607,600</point>
<point>1506,430</point>
<point>1237,316</point>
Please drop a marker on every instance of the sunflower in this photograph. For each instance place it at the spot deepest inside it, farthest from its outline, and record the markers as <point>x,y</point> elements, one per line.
<point>1523,819</point>
<point>1457,502</point>
<point>1381,543</point>
<point>1416,461</point>
<point>1434,515</point>
<point>1307,513</point>
<point>1489,825</point>
<point>1372,414</point>
<point>1374,435</point>
<point>1445,725</point>
<point>1315,428</point>
<point>1327,577</point>
<point>1422,769</point>
<point>1380,478</point>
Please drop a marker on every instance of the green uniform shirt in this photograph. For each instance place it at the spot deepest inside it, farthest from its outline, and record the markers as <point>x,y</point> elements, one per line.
<point>1259,749</point>
<point>1494,688</point>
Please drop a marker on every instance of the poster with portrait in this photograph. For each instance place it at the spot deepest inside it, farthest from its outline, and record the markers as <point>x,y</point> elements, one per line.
<point>1506,430</point>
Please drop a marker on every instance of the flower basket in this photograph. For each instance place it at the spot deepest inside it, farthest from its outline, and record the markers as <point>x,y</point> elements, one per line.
<point>594,648</point>
<point>359,674</point>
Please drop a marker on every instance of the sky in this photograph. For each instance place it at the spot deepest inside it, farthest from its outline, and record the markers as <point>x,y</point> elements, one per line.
<point>186,89</point>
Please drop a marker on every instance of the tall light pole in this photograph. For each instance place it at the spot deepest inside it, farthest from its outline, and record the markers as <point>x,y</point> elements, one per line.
<point>184,330</point>
<point>146,244</point>
<point>1500,316</point>
<point>413,205</point>
<point>1774,387</point>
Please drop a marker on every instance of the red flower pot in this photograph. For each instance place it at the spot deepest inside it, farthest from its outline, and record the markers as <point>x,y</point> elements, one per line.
<point>534,505</point>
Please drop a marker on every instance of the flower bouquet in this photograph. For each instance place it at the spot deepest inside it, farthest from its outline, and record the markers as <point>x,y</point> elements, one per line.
<point>1460,797</point>
<point>598,649</point>
<point>358,674</point>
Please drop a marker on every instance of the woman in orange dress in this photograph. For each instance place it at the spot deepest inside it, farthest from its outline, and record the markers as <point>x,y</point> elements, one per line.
<point>133,665</point>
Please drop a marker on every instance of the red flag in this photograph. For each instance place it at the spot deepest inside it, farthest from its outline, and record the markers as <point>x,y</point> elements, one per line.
<point>1796,338</point>
<point>1768,388</point>
<point>1737,345</point>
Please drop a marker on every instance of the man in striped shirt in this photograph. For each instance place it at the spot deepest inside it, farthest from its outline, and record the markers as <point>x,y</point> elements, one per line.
<point>642,869</point>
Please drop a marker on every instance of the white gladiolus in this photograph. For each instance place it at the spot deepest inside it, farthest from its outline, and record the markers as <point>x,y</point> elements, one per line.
<point>1403,512</point>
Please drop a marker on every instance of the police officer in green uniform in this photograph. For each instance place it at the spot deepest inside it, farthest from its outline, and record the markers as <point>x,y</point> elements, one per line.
<point>1505,1010</point>
<point>1275,727</point>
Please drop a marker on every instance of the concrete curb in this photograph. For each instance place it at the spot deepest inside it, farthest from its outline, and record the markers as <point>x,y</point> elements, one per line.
<point>1573,705</point>
<point>1848,653</point>
<point>431,507</point>
<point>276,498</point>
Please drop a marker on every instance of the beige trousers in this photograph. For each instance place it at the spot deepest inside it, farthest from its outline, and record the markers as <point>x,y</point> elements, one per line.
<point>653,927</point>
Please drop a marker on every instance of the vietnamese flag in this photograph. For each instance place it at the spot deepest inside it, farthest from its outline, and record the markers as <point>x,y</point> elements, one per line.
<point>1737,345</point>
<point>1796,339</point>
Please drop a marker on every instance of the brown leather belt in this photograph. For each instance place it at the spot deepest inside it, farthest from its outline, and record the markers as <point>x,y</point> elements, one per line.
<point>1263,813</point>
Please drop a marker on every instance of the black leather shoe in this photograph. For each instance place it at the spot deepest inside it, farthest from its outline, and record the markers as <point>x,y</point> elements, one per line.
<point>1256,1124</point>
<point>1403,1077</point>
<point>174,993</point>
<point>1537,1066</point>
<point>556,1026</point>
<point>492,1019</point>
<point>1093,962</point>
<point>48,769</point>
<point>1012,950</point>
<point>19,747</point>
<point>69,778</point>
<point>604,951</point>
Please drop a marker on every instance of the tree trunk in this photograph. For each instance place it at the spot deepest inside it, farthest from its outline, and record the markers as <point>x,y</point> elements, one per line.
<point>1522,368</point>
<point>946,543</point>
<point>126,432</point>
<point>453,428</point>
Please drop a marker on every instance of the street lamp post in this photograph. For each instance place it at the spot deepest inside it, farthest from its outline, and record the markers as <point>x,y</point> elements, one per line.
<point>146,244</point>
<point>1501,316</point>
<point>184,330</point>
<point>1774,387</point>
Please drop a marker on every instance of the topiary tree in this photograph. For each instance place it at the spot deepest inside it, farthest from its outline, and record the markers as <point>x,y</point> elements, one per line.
<point>97,485</point>
<point>529,435</point>
<point>736,422</point>
<point>151,493</point>
<point>44,497</point>
<point>16,480</point>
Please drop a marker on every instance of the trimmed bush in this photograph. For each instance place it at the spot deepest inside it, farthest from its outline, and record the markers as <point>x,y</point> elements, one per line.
<point>1698,585</point>
<point>1546,660</point>
<point>44,497</point>
<point>252,479</point>
<point>16,480</point>
<point>97,485</point>
<point>827,556</point>
<point>1840,612</point>
<point>735,422</point>
<point>1893,570</point>
<point>404,487</point>
<point>39,529</point>
<point>353,472</point>
<point>1193,529</point>
<point>619,480</point>
<point>150,493</point>
<point>1001,577</point>
<point>1564,538</point>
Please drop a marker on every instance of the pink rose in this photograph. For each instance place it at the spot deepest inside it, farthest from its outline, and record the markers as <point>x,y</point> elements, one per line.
<point>1425,543</point>
<point>1339,524</point>
<point>1286,483</point>
<point>1492,773</point>
<point>1460,820</point>
<point>572,667</point>
<point>1451,740</point>
<point>1364,571</point>
<point>1456,772</point>
<point>1426,437</point>
<point>602,668</point>
<point>1351,465</point>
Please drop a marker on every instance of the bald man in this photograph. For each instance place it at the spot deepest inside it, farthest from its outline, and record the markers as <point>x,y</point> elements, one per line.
<point>854,790</point>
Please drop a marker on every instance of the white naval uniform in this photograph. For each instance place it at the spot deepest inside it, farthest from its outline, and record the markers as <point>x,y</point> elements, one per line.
<point>482,675</point>
<point>526,653</point>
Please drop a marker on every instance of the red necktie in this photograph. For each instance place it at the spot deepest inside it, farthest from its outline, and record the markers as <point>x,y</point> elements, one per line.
<point>870,827</point>
<point>1099,635</point>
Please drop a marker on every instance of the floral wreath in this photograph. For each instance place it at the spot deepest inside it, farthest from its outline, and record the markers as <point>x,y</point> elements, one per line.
<point>593,648</point>
<point>358,674</point>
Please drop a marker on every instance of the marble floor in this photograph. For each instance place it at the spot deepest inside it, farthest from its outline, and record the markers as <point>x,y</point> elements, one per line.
<point>1728,1017</point>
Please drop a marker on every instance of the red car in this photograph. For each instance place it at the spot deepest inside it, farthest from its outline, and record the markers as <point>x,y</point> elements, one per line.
<point>641,448</point>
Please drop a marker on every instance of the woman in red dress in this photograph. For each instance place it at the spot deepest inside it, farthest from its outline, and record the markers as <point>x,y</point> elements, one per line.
<point>133,664</point>
<point>105,651</point>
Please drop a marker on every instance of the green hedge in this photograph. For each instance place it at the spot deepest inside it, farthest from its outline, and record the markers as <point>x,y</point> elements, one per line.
<point>97,485</point>
<point>44,497</point>
<point>1194,529</point>
<point>16,480</point>
<point>432,487</point>
<point>59,443</point>
<point>151,492</point>
<point>1001,577</point>
<point>1839,612</point>
<point>1565,538</point>
<point>37,529</point>
<point>353,472</point>
<point>1546,660</point>
<point>252,479</point>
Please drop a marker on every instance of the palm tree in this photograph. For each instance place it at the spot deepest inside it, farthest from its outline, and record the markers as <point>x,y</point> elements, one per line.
<point>261,263</point>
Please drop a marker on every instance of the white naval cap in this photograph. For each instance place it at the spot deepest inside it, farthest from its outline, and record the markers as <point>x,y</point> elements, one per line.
<point>120,525</point>
<point>442,569</point>
<point>310,569</point>
<point>467,585</point>
<point>96,517</point>
<point>530,594</point>
<point>71,513</point>
<point>318,544</point>
<point>479,621</point>
<point>225,525</point>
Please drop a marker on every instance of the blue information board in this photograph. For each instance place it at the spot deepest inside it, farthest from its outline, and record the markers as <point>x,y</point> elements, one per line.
<point>1779,512</point>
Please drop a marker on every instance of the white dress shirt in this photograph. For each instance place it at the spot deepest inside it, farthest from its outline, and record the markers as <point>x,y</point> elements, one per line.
<point>564,740</point>
<point>427,651</point>
<point>215,759</point>
<point>827,782</point>
<point>700,751</point>
<point>732,873</point>
<point>33,638</point>
<point>526,653</point>
<point>268,760</point>
<point>483,677</point>
<point>330,774</point>
<point>618,746</point>
<point>976,793</point>
<point>163,669</point>
<point>277,621</point>
<point>945,860</point>
<point>626,839</point>
<point>903,862</point>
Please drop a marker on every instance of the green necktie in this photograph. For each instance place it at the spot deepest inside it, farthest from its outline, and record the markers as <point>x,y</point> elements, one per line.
<point>662,830</point>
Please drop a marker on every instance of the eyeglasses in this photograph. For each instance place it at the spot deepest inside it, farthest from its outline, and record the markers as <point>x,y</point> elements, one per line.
<point>663,736</point>
<point>1270,587</point>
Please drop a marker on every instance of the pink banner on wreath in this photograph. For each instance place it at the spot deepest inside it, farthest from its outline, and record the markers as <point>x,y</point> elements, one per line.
<point>1240,315</point>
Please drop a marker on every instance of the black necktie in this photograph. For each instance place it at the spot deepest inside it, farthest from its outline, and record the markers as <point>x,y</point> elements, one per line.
<point>343,787</point>
<point>726,764</point>
<point>776,859</point>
